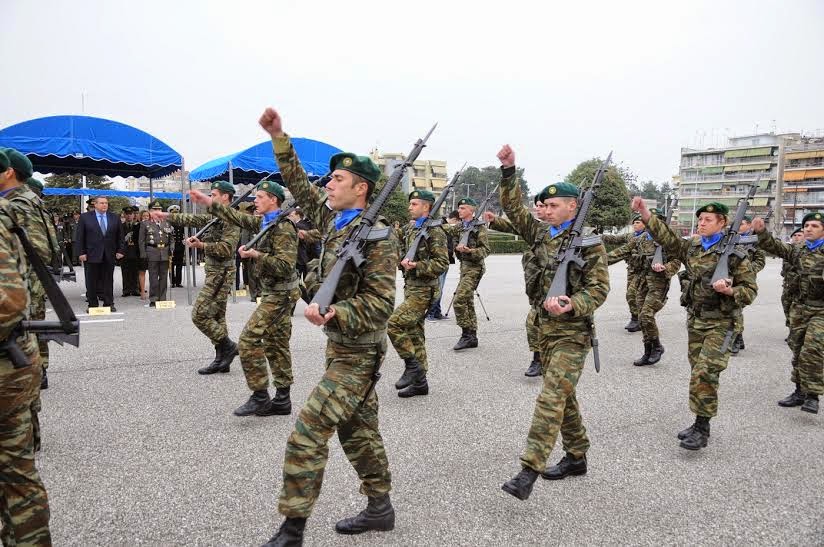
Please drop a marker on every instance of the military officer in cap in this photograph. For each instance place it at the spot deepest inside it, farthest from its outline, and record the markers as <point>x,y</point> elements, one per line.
<point>218,245</point>
<point>154,241</point>
<point>471,256</point>
<point>267,332</point>
<point>421,288</point>
<point>807,315</point>
<point>178,250</point>
<point>789,286</point>
<point>713,309</point>
<point>131,258</point>
<point>355,325</point>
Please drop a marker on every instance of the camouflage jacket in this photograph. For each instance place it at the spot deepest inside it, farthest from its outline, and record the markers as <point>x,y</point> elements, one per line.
<point>808,265</point>
<point>758,258</point>
<point>275,269</point>
<point>478,243</point>
<point>588,285</point>
<point>641,250</point>
<point>14,282</point>
<point>219,242</point>
<point>704,301</point>
<point>365,297</point>
<point>790,285</point>
<point>31,215</point>
<point>528,262</point>
<point>432,258</point>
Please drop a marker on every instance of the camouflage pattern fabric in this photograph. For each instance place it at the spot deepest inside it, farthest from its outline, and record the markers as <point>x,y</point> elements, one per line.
<point>807,315</point>
<point>564,340</point>
<point>710,314</point>
<point>789,287</point>
<point>633,269</point>
<point>472,270</point>
<point>363,302</point>
<point>24,504</point>
<point>533,330</point>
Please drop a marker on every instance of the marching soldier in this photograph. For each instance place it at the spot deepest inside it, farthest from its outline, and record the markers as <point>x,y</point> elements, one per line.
<point>218,245</point>
<point>635,271</point>
<point>807,315</point>
<point>25,507</point>
<point>472,257</point>
<point>758,259</point>
<point>155,238</point>
<point>565,326</point>
<point>267,332</point>
<point>651,287</point>
<point>421,288</point>
<point>789,287</point>
<point>713,309</point>
<point>355,324</point>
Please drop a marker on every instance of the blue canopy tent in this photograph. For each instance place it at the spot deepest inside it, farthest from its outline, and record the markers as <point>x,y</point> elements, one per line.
<point>256,162</point>
<point>51,191</point>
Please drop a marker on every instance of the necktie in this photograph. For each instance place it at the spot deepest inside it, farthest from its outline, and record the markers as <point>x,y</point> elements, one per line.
<point>102,220</point>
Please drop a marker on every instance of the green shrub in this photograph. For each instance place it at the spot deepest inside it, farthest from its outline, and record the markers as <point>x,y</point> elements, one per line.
<point>507,247</point>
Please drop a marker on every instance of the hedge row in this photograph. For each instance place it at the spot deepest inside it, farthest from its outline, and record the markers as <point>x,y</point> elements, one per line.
<point>507,247</point>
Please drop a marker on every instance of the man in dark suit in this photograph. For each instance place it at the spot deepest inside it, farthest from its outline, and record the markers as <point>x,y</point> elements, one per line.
<point>98,243</point>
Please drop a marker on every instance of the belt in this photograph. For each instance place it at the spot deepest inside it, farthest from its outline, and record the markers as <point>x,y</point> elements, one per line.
<point>366,339</point>
<point>158,246</point>
<point>287,286</point>
<point>421,283</point>
<point>715,314</point>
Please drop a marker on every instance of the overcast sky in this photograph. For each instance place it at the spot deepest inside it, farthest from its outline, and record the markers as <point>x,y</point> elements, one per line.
<point>560,81</point>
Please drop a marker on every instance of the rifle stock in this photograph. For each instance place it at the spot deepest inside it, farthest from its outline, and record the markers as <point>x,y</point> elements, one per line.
<point>658,257</point>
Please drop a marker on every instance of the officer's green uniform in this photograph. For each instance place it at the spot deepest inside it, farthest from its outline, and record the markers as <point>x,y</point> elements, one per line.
<point>155,243</point>
<point>24,504</point>
<point>220,242</point>
<point>267,332</point>
<point>565,339</point>
<point>807,316</point>
<point>421,288</point>
<point>634,274</point>
<point>711,317</point>
<point>364,300</point>
<point>789,285</point>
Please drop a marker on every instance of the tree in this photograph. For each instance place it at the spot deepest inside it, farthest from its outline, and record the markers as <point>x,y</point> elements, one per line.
<point>477,183</point>
<point>69,204</point>
<point>396,207</point>
<point>611,206</point>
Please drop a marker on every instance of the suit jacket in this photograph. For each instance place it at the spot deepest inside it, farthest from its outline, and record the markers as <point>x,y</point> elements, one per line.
<point>155,240</point>
<point>90,240</point>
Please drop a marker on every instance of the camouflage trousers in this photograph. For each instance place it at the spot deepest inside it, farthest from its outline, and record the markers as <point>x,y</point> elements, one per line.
<point>533,330</point>
<point>209,311</point>
<point>632,292</point>
<point>807,344</point>
<point>337,404</point>
<point>556,408</point>
<point>471,275</point>
<point>266,337</point>
<point>650,298</point>
<point>38,312</point>
<point>406,325</point>
<point>787,299</point>
<point>705,337</point>
<point>24,504</point>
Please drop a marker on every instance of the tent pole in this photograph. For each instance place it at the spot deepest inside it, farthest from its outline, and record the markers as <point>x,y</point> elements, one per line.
<point>187,230</point>
<point>151,192</point>
<point>237,270</point>
<point>192,250</point>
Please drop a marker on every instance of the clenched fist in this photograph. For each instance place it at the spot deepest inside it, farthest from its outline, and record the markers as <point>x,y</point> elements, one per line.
<point>271,122</point>
<point>507,156</point>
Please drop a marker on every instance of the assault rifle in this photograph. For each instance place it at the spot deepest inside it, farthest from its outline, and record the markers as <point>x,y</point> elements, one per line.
<point>476,222</point>
<point>658,257</point>
<point>235,203</point>
<point>351,250</point>
<point>430,222</point>
<point>732,238</point>
<point>290,207</point>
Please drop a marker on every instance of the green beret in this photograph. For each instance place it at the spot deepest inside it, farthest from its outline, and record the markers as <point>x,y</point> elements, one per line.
<point>4,161</point>
<point>425,195</point>
<point>636,218</point>
<point>560,190</point>
<point>468,201</point>
<point>20,163</point>
<point>797,231</point>
<point>748,218</point>
<point>155,205</point>
<point>538,199</point>
<point>223,186</point>
<point>273,188</point>
<point>359,165</point>
<point>813,216</point>
<point>713,207</point>
<point>658,212</point>
<point>34,184</point>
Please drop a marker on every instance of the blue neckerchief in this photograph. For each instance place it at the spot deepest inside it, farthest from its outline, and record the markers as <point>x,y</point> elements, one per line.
<point>744,234</point>
<point>639,232</point>
<point>709,241</point>
<point>343,218</point>
<point>553,231</point>
<point>466,223</point>
<point>813,245</point>
<point>420,221</point>
<point>649,235</point>
<point>4,192</point>
<point>269,218</point>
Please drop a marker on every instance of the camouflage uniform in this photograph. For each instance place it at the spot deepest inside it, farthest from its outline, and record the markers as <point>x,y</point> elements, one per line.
<point>472,270</point>
<point>220,242</point>
<point>566,339</point>
<point>267,332</point>
<point>807,316</point>
<point>711,315</point>
<point>24,505</point>
<point>634,271</point>
<point>758,259</point>
<point>355,349</point>
<point>789,287</point>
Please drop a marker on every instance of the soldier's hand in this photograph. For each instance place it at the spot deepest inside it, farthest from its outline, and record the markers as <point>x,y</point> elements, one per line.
<point>248,253</point>
<point>194,242</point>
<point>658,267</point>
<point>301,234</point>
<point>723,286</point>
<point>558,305</point>
<point>462,249</point>
<point>758,225</point>
<point>200,198</point>
<point>489,216</point>
<point>408,264</point>
<point>639,206</point>
<point>312,313</point>
<point>507,156</point>
<point>271,122</point>
<point>82,258</point>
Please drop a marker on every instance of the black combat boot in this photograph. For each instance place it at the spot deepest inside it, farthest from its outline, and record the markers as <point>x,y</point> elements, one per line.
<point>228,355</point>
<point>569,465</point>
<point>257,401</point>
<point>644,359</point>
<point>633,325</point>
<point>290,534</point>
<point>280,405</point>
<point>699,436</point>
<point>379,515</point>
<point>656,353</point>
<point>684,433</point>
<point>418,388</point>
<point>535,366</point>
<point>214,366</point>
<point>44,381</point>
<point>468,339</point>
<point>521,484</point>
<point>411,374</point>
<point>741,341</point>
<point>736,344</point>
<point>810,404</point>
<point>796,398</point>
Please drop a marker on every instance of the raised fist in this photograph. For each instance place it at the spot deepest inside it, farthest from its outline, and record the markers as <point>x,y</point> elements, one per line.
<point>507,156</point>
<point>758,225</point>
<point>271,122</point>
